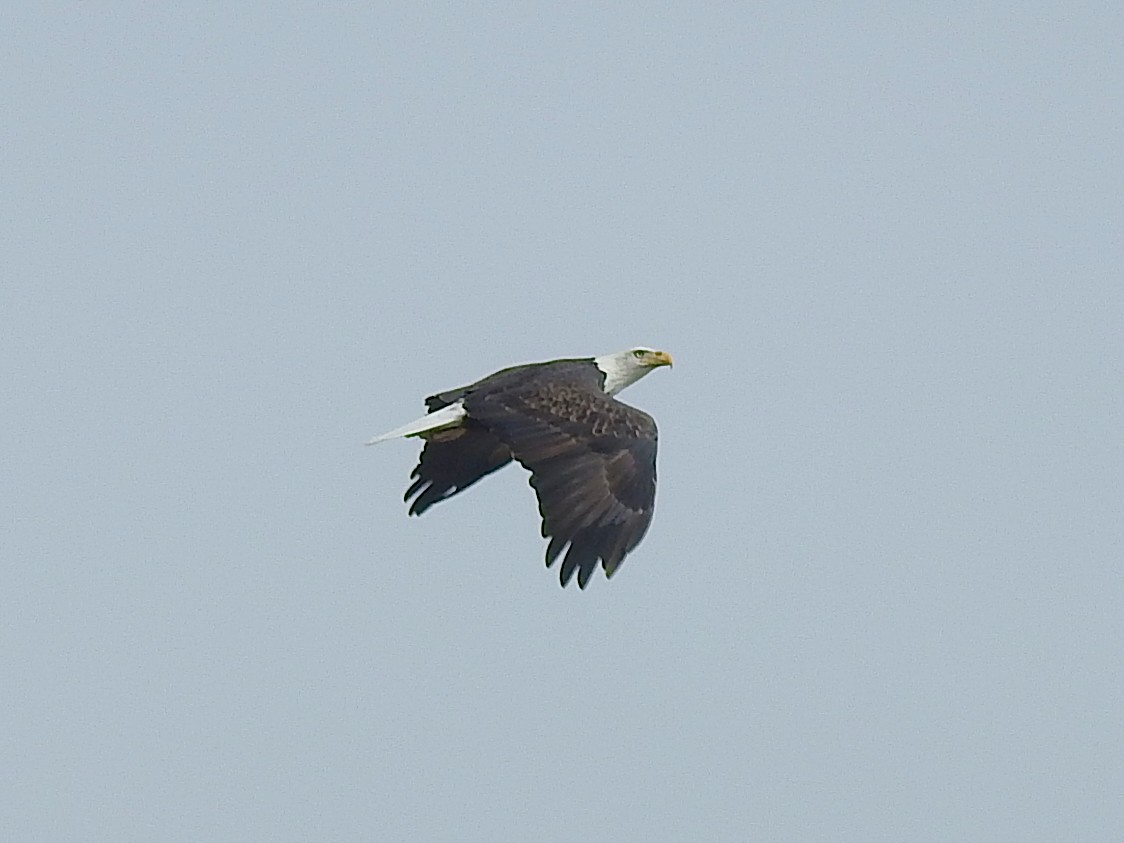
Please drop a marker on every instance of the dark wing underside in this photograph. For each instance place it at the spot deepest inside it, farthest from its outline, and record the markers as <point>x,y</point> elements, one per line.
<point>453,460</point>
<point>592,461</point>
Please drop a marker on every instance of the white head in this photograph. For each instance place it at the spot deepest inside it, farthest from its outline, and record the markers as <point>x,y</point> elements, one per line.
<point>625,368</point>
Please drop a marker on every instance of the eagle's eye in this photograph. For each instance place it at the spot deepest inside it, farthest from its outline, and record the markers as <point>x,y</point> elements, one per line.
<point>639,353</point>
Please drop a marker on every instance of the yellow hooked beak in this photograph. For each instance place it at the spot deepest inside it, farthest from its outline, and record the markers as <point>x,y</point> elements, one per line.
<point>660,358</point>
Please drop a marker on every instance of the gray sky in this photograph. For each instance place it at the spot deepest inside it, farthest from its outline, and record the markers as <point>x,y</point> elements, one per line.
<point>882,597</point>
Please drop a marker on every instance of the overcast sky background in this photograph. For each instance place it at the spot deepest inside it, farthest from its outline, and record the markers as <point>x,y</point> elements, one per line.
<point>882,597</point>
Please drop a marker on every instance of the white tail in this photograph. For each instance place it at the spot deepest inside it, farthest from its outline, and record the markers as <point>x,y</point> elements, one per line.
<point>450,416</point>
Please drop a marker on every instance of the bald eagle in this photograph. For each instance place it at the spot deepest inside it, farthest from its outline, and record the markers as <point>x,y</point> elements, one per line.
<point>592,458</point>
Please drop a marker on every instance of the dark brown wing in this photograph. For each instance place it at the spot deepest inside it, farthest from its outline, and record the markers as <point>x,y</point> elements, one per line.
<point>452,460</point>
<point>592,461</point>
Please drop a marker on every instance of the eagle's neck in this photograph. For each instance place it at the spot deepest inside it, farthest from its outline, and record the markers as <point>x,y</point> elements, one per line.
<point>621,370</point>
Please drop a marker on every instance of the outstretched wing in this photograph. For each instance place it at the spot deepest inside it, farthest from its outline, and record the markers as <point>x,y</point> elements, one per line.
<point>453,459</point>
<point>593,466</point>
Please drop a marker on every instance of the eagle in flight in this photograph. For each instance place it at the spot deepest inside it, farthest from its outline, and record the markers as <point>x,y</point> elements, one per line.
<point>592,458</point>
